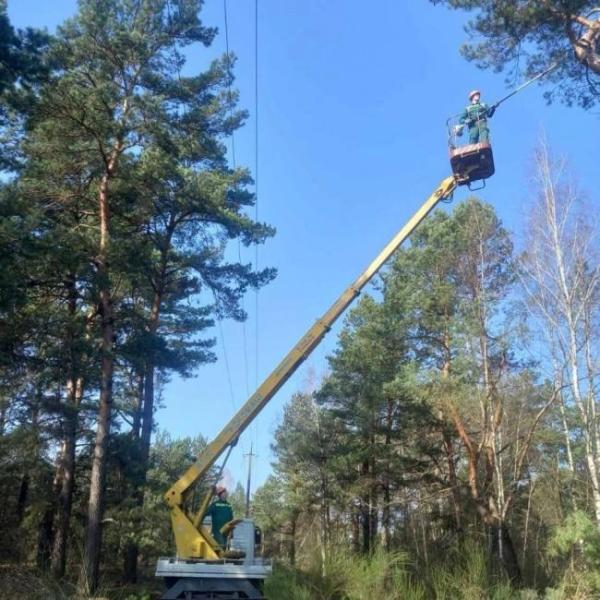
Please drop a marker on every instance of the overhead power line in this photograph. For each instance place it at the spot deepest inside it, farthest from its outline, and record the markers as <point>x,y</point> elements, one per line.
<point>256,189</point>
<point>234,164</point>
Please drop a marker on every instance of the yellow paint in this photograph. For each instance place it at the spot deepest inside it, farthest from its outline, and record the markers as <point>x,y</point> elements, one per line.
<point>192,539</point>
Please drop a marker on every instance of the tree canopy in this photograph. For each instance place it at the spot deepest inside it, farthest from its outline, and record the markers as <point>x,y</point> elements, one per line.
<point>528,36</point>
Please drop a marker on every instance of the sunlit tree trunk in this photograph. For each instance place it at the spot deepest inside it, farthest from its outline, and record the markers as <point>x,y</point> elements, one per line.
<point>93,537</point>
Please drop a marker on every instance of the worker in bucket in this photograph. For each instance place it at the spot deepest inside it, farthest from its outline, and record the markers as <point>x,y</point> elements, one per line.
<point>220,512</point>
<point>475,117</point>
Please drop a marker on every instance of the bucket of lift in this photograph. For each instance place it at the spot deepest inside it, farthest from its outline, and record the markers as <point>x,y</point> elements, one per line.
<point>469,162</point>
<point>473,162</point>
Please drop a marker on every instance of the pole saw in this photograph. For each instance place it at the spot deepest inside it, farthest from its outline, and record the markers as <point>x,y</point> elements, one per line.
<point>524,85</point>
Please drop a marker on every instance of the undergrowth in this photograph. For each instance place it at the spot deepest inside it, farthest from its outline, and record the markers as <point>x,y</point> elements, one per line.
<point>464,574</point>
<point>32,584</point>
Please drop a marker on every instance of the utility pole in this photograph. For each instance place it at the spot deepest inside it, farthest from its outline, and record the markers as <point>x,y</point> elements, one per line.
<point>250,455</point>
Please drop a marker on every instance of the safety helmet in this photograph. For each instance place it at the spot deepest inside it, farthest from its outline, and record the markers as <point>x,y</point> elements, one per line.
<point>473,93</point>
<point>220,489</point>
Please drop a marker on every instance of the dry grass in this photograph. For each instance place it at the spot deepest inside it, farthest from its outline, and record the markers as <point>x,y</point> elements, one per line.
<point>22,581</point>
<point>25,582</point>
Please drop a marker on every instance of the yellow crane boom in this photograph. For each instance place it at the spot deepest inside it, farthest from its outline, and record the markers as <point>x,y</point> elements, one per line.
<point>191,538</point>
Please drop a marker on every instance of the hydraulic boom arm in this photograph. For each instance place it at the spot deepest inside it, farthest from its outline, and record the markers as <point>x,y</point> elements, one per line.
<point>193,540</point>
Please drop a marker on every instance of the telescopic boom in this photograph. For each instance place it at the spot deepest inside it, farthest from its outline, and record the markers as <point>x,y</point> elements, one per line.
<point>194,540</point>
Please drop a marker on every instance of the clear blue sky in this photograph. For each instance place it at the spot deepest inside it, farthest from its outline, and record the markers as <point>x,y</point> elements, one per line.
<point>353,98</point>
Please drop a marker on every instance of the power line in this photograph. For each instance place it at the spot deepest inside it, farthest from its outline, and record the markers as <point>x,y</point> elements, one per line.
<point>234,164</point>
<point>225,356</point>
<point>219,320</point>
<point>256,178</point>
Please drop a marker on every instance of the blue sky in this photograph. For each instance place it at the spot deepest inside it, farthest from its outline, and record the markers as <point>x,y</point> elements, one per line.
<point>353,99</point>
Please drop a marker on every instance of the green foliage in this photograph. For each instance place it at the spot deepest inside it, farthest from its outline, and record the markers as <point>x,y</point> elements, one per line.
<point>577,532</point>
<point>346,576</point>
<point>465,574</point>
<point>146,524</point>
<point>286,583</point>
<point>23,68</point>
<point>32,584</point>
<point>113,120</point>
<point>576,543</point>
<point>515,35</point>
<point>380,574</point>
<point>237,499</point>
<point>416,435</point>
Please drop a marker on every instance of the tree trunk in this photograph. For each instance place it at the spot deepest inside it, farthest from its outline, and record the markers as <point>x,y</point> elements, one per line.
<point>572,350</point>
<point>504,550</point>
<point>452,479</point>
<point>66,481</point>
<point>374,517</point>
<point>45,535</point>
<point>146,412</point>
<point>365,521</point>
<point>93,539</point>
<point>147,419</point>
<point>386,517</point>
<point>423,525</point>
<point>137,415</point>
<point>131,550</point>
<point>355,529</point>
<point>527,517</point>
<point>293,526</point>
<point>3,407</point>
<point>448,445</point>
<point>34,465</point>
<point>588,426</point>
<point>130,558</point>
<point>22,498</point>
<point>585,45</point>
<point>65,471</point>
<point>365,511</point>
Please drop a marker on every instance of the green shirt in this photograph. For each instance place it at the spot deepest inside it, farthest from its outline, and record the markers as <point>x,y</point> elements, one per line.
<point>476,112</point>
<point>220,512</point>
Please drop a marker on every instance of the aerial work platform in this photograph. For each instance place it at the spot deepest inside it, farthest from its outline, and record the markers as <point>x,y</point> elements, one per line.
<point>472,162</point>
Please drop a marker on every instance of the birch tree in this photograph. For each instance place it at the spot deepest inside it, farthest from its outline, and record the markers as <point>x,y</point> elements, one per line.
<point>561,277</point>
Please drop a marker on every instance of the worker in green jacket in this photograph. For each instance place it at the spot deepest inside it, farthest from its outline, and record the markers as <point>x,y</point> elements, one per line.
<point>220,512</point>
<point>475,117</point>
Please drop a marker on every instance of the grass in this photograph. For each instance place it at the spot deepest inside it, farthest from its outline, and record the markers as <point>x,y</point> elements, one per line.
<point>346,576</point>
<point>27,582</point>
<point>464,575</point>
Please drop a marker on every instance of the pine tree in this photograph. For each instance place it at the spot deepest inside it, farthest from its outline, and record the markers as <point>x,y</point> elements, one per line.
<point>509,33</point>
<point>133,150</point>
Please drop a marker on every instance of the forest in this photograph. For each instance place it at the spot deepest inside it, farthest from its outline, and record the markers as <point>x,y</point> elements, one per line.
<point>451,448</point>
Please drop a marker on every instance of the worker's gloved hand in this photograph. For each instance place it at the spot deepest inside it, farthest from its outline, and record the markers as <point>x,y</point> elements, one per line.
<point>458,130</point>
<point>491,111</point>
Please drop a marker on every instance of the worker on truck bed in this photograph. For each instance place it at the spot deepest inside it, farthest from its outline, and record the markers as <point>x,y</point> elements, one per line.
<point>475,117</point>
<point>220,512</point>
